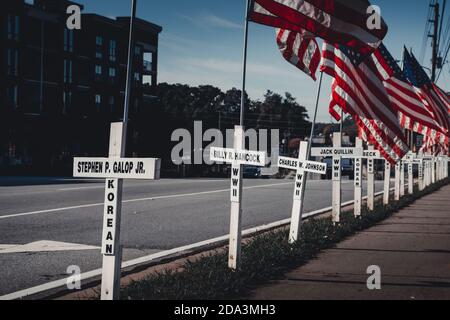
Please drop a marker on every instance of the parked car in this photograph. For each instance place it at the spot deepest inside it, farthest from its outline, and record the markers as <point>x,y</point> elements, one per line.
<point>347,167</point>
<point>251,172</point>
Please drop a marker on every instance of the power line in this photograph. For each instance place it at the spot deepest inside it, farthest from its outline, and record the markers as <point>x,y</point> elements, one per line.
<point>426,32</point>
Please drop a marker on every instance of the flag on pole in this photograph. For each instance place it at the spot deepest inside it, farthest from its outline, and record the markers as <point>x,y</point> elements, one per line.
<point>359,91</point>
<point>413,114</point>
<point>336,21</point>
<point>444,96</point>
<point>300,49</point>
<point>426,91</point>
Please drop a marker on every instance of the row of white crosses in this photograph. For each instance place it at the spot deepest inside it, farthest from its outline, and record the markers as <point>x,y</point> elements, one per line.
<point>115,168</point>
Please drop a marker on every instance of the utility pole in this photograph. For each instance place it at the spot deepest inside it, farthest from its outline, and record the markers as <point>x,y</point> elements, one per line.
<point>435,42</point>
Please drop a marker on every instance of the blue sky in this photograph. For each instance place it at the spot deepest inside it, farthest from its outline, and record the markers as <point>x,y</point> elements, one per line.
<point>202,44</point>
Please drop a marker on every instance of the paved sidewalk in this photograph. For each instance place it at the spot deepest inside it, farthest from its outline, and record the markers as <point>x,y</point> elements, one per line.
<point>412,248</point>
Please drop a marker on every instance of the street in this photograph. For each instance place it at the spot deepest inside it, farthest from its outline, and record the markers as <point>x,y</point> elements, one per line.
<point>47,225</point>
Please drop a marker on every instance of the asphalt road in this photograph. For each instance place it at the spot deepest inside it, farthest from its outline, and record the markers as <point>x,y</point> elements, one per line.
<point>157,216</point>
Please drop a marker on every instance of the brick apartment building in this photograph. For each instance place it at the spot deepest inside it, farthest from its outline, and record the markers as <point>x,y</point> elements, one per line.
<point>60,89</point>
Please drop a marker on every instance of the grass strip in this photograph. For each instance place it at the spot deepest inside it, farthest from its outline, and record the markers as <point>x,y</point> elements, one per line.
<point>266,257</point>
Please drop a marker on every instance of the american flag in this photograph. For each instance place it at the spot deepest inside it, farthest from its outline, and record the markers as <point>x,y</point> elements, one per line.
<point>444,96</point>
<point>426,91</point>
<point>336,21</point>
<point>359,91</point>
<point>412,112</point>
<point>430,146</point>
<point>300,49</point>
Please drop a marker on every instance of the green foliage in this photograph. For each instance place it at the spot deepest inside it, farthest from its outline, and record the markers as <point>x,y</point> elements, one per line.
<point>185,104</point>
<point>266,257</point>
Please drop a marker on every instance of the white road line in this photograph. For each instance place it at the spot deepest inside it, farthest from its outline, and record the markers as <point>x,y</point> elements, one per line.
<point>135,200</point>
<point>95,273</point>
<point>45,246</point>
<point>165,182</point>
<point>82,188</point>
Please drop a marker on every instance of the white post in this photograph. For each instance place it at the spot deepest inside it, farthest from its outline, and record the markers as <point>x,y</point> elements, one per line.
<point>397,181</point>
<point>446,168</point>
<point>402,179</point>
<point>410,178</point>
<point>433,171</point>
<point>337,172</point>
<point>358,180</point>
<point>300,184</point>
<point>421,178</point>
<point>234,256</point>
<point>387,183</point>
<point>371,182</point>
<point>112,257</point>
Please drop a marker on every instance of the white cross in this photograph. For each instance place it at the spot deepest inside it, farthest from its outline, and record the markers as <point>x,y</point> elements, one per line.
<point>237,157</point>
<point>411,159</point>
<point>114,169</point>
<point>301,165</point>
<point>337,152</point>
<point>370,155</point>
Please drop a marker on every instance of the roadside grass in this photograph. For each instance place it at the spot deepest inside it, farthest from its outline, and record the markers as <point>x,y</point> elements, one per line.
<point>266,257</point>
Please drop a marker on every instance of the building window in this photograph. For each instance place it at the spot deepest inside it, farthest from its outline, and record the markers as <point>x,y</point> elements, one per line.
<point>68,40</point>
<point>98,55</point>
<point>111,103</point>
<point>112,50</point>
<point>137,76</point>
<point>98,70</point>
<point>67,71</point>
<point>112,72</point>
<point>67,101</point>
<point>12,95</point>
<point>13,27</point>
<point>13,62</point>
<point>98,101</point>
<point>99,40</point>
<point>137,50</point>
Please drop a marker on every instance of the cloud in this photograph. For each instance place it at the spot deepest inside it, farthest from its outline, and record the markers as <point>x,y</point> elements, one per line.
<point>235,67</point>
<point>219,22</point>
<point>208,20</point>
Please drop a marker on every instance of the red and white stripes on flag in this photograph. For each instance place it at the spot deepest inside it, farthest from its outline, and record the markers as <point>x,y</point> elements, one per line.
<point>300,49</point>
<point>444,96</point>
<point>336,21</point>
<point>360,92</point>
<point>413,114</point>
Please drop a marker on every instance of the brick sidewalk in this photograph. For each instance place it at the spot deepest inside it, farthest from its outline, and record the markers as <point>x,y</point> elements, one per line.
<point>412,248</point>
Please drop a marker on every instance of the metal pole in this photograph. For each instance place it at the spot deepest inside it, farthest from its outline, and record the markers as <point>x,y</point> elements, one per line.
<point>111,274</point>
<point>234,254</point>
<point>41,84</point>
<point>244,65</point>
<point>315,115</point>
<point>435,42</point>
<point>129,75</point>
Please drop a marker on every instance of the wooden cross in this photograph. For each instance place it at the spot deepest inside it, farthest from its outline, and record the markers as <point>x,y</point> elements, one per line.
<point>238,157</point>
<point>302,166</point>
<point>338,153</point>
<point>114,169</point>
<point>370,155</point>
